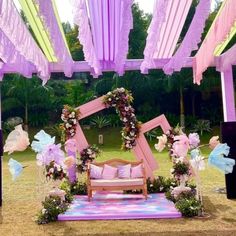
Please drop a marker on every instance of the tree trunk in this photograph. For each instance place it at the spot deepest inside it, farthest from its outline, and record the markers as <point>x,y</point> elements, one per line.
<point>182,118</point>
<point>26,127</point>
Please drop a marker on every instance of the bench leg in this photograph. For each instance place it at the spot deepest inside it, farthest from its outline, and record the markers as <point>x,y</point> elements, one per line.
<point>90,194</point>
<point>145,192</point>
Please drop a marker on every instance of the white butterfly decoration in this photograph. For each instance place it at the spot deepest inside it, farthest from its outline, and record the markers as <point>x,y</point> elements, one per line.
<point>17,140</point>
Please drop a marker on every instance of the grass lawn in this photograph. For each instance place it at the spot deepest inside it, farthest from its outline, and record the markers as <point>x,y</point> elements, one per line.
<point>22,201</point>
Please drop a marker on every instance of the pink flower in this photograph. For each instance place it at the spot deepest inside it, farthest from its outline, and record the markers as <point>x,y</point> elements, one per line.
<point>69,161</point>
<point>70,145</point>
<point>180,146</point>
<point>214,141</point>
<point>193,140</point>
<point>162,140</point>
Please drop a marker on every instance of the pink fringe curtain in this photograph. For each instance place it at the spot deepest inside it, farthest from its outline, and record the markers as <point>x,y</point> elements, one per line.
<point>218,32</point>
<point>47,14</point>
<point>104,29</point>
<point>191,39</point>
<point>13,27</point>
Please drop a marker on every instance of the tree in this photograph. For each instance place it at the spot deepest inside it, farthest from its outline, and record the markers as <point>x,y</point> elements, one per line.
<point>25,94</point>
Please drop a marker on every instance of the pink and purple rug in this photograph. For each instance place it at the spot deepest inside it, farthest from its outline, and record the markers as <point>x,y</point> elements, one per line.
<point>115,205</point>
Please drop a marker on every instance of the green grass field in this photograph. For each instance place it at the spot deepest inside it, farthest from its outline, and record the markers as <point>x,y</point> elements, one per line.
<point>22,201</point>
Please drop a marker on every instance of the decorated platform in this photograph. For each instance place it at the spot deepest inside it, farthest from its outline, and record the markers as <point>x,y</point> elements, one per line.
<point>116,205</point>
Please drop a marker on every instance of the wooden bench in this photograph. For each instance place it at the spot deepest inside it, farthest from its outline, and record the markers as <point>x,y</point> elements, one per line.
<point>117,183</point>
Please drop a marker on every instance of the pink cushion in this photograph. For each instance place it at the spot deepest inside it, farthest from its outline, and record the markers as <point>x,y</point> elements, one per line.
<point>95,172</point>
<point>116,182</point>
<point>124,171</point>
<point>136,171</point>
<point>109,172</point>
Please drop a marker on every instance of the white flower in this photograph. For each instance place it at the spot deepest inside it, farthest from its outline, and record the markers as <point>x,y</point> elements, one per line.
<point>67,125</point>
<point>125,119</point>
<point>44,211</point>
<point>161,143</point>
<point>89,151</point>
<point>126,108</point>
<point>109,93</point>
<point>51,170</point>
<point>70,116</point>
<point>122,90</point>
<point>109,99</point>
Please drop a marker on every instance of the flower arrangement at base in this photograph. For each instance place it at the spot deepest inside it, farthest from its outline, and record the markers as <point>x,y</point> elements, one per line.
<point>121,100</point>
<point>52,207</point>
<point>87,155</point>
<point>54,171</point>
<point>70,118</point>
<point>179,145</point>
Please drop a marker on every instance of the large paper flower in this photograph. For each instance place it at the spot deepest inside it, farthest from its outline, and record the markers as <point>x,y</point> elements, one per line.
<point>70,145</point>
<point>162,140</point>
<point>50,153</point>
<point>17,140</point>
<point>44,140</point>
<point>180,146</point>
<point>194,140</point>
<point>214,141</point>
<point>218,160</point>
<point>15,168</point>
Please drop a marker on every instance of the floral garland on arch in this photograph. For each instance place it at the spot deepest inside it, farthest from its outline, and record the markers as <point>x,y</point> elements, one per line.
<point>121,99</point>
<point>70,118</point>
<point>87,155</point>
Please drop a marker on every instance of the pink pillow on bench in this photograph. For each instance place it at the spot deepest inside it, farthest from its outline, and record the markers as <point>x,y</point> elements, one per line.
<point>109,172</point>
<point>95,171</point>
<point>136,171</point>
<point>124,171</point>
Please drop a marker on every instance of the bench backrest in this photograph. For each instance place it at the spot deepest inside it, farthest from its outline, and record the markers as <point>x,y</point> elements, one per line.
<point>117,162</point>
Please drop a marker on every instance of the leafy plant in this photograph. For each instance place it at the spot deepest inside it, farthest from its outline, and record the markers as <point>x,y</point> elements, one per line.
<point>202,126</point>
<point>189,207</point>
<point>52,207</point>
<point>76,188</point>
<point>55,130</point>
<point>160,184</point>
<point>152,134</point>
<point>100,122</point>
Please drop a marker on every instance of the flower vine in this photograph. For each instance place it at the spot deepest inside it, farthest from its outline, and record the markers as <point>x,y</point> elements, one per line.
<point>70,118</point>
<point>121,99</point>
<point>87,155</point>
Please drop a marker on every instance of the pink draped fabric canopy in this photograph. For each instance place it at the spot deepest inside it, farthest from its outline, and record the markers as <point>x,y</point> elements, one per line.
<point>14,33</point>
<point>104,27</point>
<point>219,30</point>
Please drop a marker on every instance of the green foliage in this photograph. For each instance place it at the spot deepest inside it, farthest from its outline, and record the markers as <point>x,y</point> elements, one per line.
<point>100,122</point>
<point>55,130</point>
<point>189,207</point>
<point>152,134</point>
<point>160,184</point>
<point>76,188</point>
<point>52,207</point>
<point>202,126</point>
<point>180,168</point>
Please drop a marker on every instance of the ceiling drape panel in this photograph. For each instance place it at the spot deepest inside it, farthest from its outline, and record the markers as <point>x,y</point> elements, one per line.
<point>219,31</point>
<point>85,35</point>
<point>227,59</point>
<point>109,22</point>
<point>13,27</point>
<point>191,39</point>
<point>155,31</point>
<point>164,31</point>
<point>9,55</point>
<point>48,16</point>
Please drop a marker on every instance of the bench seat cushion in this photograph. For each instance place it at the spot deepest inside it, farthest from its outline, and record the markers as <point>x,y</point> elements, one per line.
<point>116,182</point>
